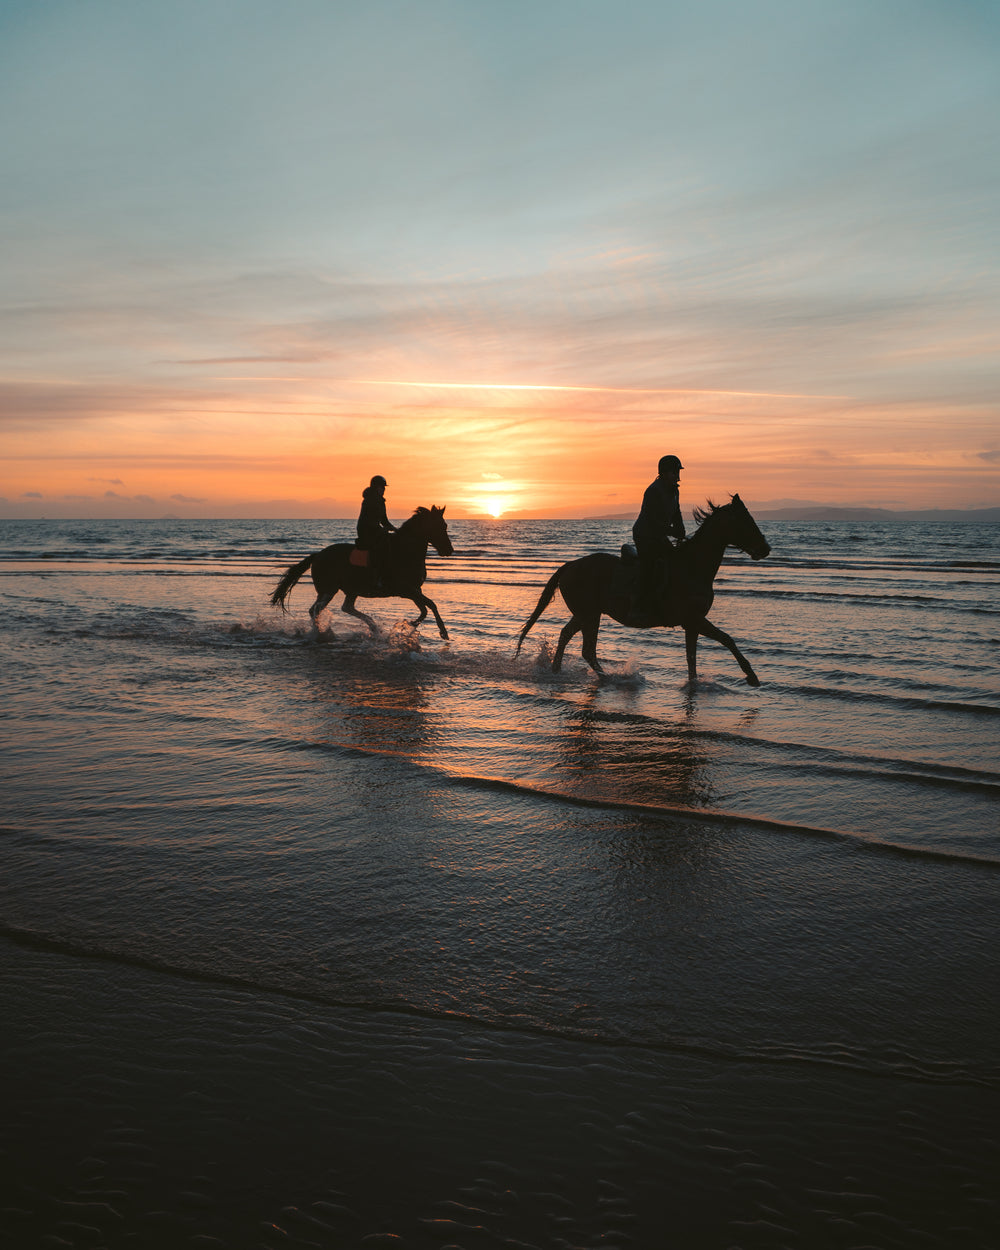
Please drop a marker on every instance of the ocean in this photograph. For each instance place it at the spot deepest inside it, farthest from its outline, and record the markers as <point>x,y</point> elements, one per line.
<point>316,939</point>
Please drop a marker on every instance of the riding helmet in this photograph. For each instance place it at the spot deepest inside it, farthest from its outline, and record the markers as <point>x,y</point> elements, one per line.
<point>669,464</point>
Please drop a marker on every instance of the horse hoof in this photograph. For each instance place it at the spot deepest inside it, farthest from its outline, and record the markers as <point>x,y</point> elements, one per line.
<point>753,679</point>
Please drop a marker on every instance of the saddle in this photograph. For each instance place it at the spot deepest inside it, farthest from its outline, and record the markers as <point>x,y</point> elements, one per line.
<point>627,584</point>
<point>371,577</point>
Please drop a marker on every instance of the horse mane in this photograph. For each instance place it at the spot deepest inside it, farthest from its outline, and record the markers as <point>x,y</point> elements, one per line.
<point>701,515</point>
<point>421,512</point>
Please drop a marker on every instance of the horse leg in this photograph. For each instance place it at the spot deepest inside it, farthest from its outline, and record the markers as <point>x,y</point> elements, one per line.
<point>572,627</point>
<point>437,615</point>
<point>709,630</point>
<point>423,603</point>
<point>691,647</point>
<point>590,630</point>
<point>320,606</point>
<point>348,607</point>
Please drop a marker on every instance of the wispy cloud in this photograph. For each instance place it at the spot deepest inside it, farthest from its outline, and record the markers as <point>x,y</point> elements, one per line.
<point>772,246</point>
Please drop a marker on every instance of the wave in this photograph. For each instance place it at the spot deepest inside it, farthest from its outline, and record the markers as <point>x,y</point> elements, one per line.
<point>839,596</point>
<point>897,700</point>
<point>500,668</point>
<point>841,763</point>
<point>673,811</point>
<point>179,625</point>
<point>804,651</point>
<point>853,562</point>
<point>885,1061</point>
<point>721,816</point>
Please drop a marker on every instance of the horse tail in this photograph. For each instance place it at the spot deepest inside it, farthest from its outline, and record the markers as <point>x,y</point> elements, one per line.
<point>546,598</point>
<point>284,587</point>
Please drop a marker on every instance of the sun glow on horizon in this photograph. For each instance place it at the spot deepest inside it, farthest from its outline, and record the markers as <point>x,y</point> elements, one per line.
<point>495,496</point>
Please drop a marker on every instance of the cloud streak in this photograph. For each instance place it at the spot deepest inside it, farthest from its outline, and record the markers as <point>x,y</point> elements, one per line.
<point>765,236</point>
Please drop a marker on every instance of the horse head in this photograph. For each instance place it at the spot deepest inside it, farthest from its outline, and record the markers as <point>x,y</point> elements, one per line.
<point>432,526</point>
<point>740,530</point>
<point>747,535</point>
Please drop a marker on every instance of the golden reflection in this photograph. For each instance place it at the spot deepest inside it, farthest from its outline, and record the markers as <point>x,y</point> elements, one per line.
<point>608,755</point>
<point>373,704</point>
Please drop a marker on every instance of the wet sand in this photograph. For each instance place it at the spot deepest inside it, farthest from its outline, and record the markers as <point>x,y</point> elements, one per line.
<point>151,1110</point>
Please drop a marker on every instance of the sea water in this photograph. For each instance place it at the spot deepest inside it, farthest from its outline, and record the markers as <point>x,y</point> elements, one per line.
<point>314,936</point>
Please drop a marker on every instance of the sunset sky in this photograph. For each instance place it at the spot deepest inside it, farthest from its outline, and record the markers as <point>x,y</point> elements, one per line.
<point>505,254</point>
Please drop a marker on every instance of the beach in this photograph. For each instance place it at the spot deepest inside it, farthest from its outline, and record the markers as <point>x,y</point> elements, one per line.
<point>314,939</point>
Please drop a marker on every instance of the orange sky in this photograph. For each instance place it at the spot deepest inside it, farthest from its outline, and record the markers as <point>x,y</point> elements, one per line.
<point>506,263</point>
<point>298,447</point>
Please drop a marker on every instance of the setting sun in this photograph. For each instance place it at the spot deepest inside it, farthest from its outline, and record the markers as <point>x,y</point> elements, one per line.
<point>495,495</point>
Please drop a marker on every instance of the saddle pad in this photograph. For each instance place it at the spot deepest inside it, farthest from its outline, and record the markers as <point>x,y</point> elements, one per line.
<point>358,557</point>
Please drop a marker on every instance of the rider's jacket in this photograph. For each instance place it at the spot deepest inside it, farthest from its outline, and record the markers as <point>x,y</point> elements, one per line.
<point>660,516</point>
<point>373,522</point>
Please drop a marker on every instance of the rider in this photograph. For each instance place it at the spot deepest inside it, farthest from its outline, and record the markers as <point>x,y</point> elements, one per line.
<point>374,526</point>
<point>659,521</point>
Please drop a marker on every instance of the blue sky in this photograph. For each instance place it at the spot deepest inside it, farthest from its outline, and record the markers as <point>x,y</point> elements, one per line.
<point>236,232</point>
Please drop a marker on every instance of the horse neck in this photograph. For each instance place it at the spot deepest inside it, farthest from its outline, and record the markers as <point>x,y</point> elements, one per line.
<point>410,541</point>
<point>707,545</point>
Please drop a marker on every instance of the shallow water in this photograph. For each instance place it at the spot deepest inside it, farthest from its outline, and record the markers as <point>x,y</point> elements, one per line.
<point>428,859</point>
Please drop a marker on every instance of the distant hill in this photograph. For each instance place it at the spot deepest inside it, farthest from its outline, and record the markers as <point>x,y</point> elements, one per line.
<point>826,512</point>
<point>950,515</point>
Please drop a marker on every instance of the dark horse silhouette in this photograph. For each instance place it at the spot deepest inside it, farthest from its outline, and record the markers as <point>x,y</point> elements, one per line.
<point>404,571</point>
<point>605,584</point>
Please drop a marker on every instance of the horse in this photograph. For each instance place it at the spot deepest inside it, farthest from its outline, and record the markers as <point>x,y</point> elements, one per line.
<point>403,573</point>
<point>603,584</point>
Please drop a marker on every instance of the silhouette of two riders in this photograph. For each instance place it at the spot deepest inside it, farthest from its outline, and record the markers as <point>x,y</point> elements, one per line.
<point>657,526</point>
<point>374,528</point>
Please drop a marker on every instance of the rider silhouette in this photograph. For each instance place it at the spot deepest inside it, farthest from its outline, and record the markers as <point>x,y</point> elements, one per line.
<point>659,521</point>
<point>374,526</point>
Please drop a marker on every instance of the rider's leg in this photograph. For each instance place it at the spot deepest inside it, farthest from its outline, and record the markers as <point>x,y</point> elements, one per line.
<point>649,568</point>
<point>379,558</point>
